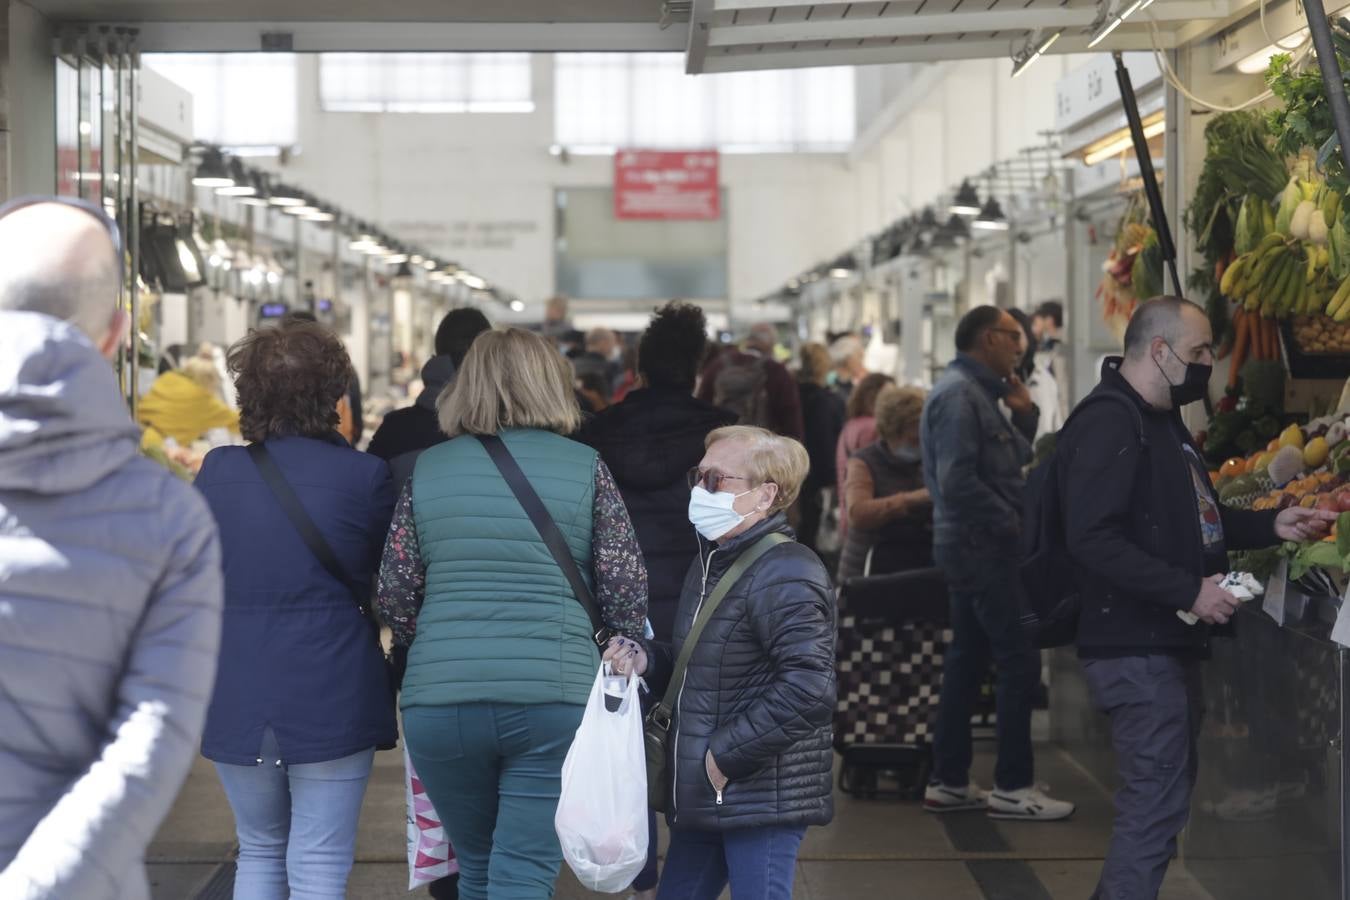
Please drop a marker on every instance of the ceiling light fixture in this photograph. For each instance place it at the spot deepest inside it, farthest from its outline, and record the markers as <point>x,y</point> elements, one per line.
<point>967,202</point>
<point>471,281</point>
<point>991,217</point>
<point>1118,143</point>
<point>1108,21</point>
<point>1035,47</point>
<point>517,306</point>
<point>1259,61</point>
<point>211,171</point>
<point>284,197</point>
<point>243,185</point>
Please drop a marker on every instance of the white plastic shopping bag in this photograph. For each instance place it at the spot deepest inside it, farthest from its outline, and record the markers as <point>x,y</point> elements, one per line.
<point>430,855</point>
<point>602,811</point>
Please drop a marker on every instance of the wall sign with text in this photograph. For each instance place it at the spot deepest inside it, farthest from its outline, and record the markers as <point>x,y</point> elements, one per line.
<point>659,184</point>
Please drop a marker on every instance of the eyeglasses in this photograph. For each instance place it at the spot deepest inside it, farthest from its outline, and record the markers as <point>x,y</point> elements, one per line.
<point>710,479</point>
<point>1012,333</point>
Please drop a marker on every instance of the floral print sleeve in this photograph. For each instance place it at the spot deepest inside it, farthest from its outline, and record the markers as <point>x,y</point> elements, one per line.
<point>620,573</point>
<point>403,580</point>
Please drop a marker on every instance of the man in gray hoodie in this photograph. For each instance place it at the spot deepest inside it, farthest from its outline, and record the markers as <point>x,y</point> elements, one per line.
<point>110,584</point>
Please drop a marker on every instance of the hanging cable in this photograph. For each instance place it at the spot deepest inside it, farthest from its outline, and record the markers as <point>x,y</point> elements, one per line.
<point>1261,7</point>
<point>1171,76</point>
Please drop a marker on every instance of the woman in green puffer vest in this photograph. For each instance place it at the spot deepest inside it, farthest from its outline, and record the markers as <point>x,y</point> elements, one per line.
<point>502,656</point>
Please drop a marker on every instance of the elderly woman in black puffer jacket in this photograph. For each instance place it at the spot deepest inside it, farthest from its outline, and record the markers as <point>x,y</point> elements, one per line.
<point>750,752</point>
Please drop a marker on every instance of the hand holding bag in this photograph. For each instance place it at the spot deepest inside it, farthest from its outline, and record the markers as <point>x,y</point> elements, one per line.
<point>602,817</point>
<point>656,732</point>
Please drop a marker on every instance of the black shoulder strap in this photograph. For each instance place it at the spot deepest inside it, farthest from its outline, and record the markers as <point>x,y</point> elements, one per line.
<point>1135,415</point>
<point>309,532</point>
<point>548,530</point>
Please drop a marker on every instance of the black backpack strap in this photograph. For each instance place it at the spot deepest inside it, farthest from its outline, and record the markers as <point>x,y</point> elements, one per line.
<point>304,525</point>
<point>548,530</point>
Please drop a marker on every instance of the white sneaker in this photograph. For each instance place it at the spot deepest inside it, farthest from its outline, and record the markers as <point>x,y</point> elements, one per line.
<point>1029,804</point>
<point>939,798</point>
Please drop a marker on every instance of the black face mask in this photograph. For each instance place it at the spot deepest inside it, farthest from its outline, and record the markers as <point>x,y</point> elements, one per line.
<point>1194,385</point>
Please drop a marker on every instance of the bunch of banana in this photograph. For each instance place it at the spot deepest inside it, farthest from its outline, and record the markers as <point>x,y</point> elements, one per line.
<point>1271,279</point>
<point>1255,220</point>
<point>1339,305</point>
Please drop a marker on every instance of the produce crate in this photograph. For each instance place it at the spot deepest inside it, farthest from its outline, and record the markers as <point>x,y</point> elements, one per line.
<point>1333,362</point>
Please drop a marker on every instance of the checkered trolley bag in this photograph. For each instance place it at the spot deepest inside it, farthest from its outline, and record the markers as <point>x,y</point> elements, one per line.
<point>892,634</point>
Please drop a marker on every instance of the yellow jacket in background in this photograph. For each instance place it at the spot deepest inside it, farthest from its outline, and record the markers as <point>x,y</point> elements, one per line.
<point>179,408</point>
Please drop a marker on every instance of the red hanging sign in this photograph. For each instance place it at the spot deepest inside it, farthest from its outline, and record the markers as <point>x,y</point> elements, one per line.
<point>661,184</point>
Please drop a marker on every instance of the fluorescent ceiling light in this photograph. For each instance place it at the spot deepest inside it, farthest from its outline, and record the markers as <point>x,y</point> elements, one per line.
<point>1259,61</point>
<point>1120,141</point>
<point>517,306</point>
<point>1021,65</point>
<point>471,281</point>
<point>1103,30</point>
<point>429,265</point>
<point>237,190</point>
<point>396,259</point>
<point>303,209</point>
<point>320,216</point>
<point>840,273</point>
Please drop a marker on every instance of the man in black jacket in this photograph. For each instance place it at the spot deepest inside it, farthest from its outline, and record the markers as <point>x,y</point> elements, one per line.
<point>1148,537</point>
<point>415,428</point>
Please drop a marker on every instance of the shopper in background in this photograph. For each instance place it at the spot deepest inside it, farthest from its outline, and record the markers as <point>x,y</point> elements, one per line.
<point>754,385</point>
<point>973,458</point>
<point>860,430</point>
<point>823,417</point>
<point>751,754</point>
<point>1147,537</point>
<point>110,595</point>
<point>594,393</point>
<point>604,344</point>
<point>556,324</point>
<point>650,441</point>
<point>502,655</point>
<point>1039,379</point>
<point>406,432</point>
<point>846,354</point>
<point>1047,322</point>
<point>184,405</point>
<point>302,698</point>
<point>890,510</point>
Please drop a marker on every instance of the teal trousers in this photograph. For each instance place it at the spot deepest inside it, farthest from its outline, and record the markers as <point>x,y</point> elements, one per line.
<point>493,771</point>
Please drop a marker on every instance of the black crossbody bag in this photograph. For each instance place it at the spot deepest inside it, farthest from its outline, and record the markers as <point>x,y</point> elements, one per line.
<point>548,531</point>
<point>314,540</point>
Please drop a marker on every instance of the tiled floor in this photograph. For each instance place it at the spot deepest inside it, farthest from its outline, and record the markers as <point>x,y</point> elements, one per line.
<point>876,849</point>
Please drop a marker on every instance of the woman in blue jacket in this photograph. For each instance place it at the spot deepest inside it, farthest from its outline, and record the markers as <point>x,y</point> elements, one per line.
<point>302,697</point>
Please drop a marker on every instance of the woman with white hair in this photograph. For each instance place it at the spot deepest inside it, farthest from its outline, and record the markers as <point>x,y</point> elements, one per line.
<point>749,755</point>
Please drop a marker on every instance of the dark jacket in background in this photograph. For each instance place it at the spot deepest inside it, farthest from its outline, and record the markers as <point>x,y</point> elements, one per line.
<point>823,417</point>
<point>416,427</point>
<point>784,403</point>
<point>296,654</point>
<point>650,441</point>
<point>1132,526</point>
<point>973,458</point>
<point>759,691</point>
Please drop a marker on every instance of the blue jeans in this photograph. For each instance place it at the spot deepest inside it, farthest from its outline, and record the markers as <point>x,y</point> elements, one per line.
<point>494,771</point>
<point>985,592</point>
<point>759,863</point>
<point>1155,704</point>
<point>296,824</point>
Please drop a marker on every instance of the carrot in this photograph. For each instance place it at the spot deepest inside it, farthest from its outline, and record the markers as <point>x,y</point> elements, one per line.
<point>1242,334</point>
<point>1272,340</point>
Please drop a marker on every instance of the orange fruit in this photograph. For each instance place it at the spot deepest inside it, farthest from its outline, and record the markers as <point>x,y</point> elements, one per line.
<point>1233,468</point>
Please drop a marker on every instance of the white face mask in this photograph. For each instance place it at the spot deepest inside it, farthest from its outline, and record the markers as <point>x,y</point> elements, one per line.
<point>713,515</point>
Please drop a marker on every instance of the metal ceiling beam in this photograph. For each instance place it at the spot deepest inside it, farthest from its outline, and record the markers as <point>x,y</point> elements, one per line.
<point>308,37</point>
<point>976,21</point>
<point>742,5</point>
<point>700,22</point>
<point>932,51</point>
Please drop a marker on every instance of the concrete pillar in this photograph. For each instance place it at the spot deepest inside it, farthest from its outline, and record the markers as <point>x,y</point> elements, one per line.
<point>27,103</point>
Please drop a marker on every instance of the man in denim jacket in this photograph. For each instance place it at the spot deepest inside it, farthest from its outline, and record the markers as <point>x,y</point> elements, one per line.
<point>973,458</point>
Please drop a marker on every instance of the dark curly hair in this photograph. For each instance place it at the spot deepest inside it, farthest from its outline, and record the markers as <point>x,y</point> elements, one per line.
<point>671,349</point>
<point>289,380</point>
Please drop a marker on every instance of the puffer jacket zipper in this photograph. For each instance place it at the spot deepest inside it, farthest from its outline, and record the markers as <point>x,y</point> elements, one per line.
<point>675,748</point>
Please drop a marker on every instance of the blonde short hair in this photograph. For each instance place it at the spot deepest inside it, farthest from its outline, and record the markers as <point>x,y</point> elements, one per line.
<point>898,410</point>
<point>511,378</point>
<point>771,458</point>
<point>816,364</point>
<point>203,372</point>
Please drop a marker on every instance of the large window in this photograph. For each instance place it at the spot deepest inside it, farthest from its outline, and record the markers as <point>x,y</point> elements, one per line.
<point>425,82</point>
<point>239,100</point>
<point>608,100</point>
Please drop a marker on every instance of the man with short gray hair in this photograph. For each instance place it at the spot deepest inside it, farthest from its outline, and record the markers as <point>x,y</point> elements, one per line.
<point>110,601</point>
